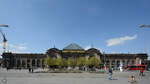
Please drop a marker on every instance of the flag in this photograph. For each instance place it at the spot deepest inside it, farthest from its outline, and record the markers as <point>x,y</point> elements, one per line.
<point>3,25</point>
<point>4,38</point>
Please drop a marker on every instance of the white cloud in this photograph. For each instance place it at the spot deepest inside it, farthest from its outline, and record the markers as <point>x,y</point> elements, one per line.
<point>113,52</point>
<point>21,48</point>
<point>120,40</point>
<point>100,49</point>
<point>88,47</point>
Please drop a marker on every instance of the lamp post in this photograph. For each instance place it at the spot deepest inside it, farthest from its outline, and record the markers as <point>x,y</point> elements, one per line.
<point>144,26</point>
<point>104,61</point>
<point>3,25</point>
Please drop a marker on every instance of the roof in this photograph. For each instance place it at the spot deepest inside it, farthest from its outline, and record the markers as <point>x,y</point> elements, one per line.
<point>141,55</point>
<point>23,54</point>
<point>73,46</point>
<point>92,50</point>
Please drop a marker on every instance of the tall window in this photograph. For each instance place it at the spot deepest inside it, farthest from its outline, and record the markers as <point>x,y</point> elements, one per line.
<point>33,62</point>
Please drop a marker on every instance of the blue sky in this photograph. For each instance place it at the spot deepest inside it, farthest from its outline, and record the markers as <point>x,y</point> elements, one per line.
<point>110,25</point>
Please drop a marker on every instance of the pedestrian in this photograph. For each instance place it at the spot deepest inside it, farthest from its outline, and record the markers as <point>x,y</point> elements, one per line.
<point>141,72</point>
<point>7,68</point>
<point>110,74</point>
<point>29,69</point>
<point>32,70</point>
<point>19,68</point>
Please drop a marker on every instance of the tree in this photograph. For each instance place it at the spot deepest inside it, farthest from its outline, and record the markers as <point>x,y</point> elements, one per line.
<point>55,62</point>
<point>94,61</point>
<point>71,62</point>
<point>61,62</point>
<point>81,61</point>
<point>64,62</point>
<point>49,61</point>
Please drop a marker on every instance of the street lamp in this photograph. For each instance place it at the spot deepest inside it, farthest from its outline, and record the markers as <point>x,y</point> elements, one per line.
<point>104,61</point>
<point>3,25</point>
<point>144,26</point>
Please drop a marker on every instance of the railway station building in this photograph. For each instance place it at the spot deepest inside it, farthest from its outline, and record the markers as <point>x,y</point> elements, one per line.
<point>26,60</point>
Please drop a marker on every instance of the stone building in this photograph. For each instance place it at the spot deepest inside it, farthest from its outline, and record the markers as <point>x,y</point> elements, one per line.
<point>25,60</point>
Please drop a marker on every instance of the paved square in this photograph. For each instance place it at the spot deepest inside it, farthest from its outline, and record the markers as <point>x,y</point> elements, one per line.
<point>23,77</point>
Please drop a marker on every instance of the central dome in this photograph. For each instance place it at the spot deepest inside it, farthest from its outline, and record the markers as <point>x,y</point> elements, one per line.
<point>73,46</point>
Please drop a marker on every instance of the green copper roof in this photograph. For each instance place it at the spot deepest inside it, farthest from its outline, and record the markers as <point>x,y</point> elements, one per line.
<point>73,46</point>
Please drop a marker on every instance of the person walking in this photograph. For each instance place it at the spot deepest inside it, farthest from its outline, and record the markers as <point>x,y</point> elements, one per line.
<point>141,72</point>
<point>29,69</point>
<point>32,70</point>
<point>110,74</point>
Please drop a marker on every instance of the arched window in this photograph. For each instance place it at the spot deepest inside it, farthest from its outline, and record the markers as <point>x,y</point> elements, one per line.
<point>43,64</point>
<point>107,62</point>
<point>133,62</point>
<point>33,62</point>
<point>113,62</point>
<point>38,63</point>
<point>118,62</point>
<point>123,61</point>
<point>18,63</point>
<point>23,63</point>
<point>28,63</point>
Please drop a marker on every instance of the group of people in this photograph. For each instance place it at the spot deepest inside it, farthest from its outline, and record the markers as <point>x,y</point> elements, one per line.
<point>31,70</point>
<point>132,77</point>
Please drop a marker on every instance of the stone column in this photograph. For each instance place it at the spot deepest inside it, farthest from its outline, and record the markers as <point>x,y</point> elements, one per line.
<point>130,62</point>
<point>115,63</point>
<point>36,63</point>
<point>126,63</point>
<point>41,63</point>
<point>133,61</point>
<point>16,63</point>
<point>138,61</point>
<point>143,61</point>
<point>110,63</point>
<point>26,63</point>
<point>21,62</point>
<point>30,63</point>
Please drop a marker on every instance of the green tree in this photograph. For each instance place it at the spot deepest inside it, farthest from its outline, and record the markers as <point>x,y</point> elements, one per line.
<point>61,62</point>
<point>94,61</point>
<point>72,62</point>
<point>64,62</point>
<point>81,61</point>
<point>49,62</point>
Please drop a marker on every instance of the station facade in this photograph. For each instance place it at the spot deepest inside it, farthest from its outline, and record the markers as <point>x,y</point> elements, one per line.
<point>26,60</point>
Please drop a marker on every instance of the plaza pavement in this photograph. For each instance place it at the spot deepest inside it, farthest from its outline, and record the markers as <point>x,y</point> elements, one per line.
<point>23,77</point>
